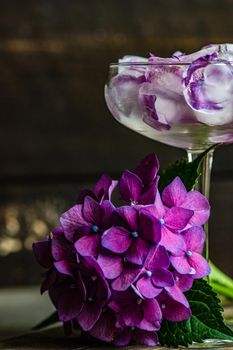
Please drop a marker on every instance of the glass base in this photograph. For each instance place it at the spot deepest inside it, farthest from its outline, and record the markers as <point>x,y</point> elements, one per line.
<point>212,344</point>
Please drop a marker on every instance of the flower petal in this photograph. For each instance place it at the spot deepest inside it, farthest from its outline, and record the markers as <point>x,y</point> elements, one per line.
<point>149,227</point>
<point>162,278</point>
<point>130,216</point>
<point>61,247</point>
<point>145,337</point>
<point>89,315</point>
<point>126,278</point>
<point>111,265</point>
<point>92,211</point>
<point>194,238</point>
<point>42,252</point>
<point>88,245</point>
<point>199,204</point>
<point>71,220</point>
<point>148,326</point>
<point>183,282</point>
<point>152,311</point>
<point>181,264</point>
<point>65,267</point>
<point>172,310</point>
<point>157,258</point>
<point>174,194</point>
<point>146,288</point>
<point>123,338</point>
<point>148,169</point>
<point>173,242</point>
<point>177,218</point>
<point>104,329</point>
<point>148,196</point>
<point>132,315</point>
<point>130,186</point>
<point>105,185</point>
<point>116,239</point>
<point>200,265</point>
<point>138,251</point>
<point>176,294</point>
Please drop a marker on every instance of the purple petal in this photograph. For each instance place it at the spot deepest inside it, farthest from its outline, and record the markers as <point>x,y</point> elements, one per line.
<point>138,251</point>
<point>177,218</point>
<point>65,267</point>
<point>175,193</point>
<point>104,329</point>
<point>49,280</point>
<point>116,239</point>
<point>181,264</point>
<point>132,315</point>
<point>157,258</point>
<point>200,265</point>
<point>108,212</point>
<point>148,196</point>
<point>148,326</point>
<point>71,220</point>
<point>130,186</point>
<point>42,252</point>
<point>145,337</point>
<point>174,311</point>
<point>152,311</point>
<point>89,315</point>
<point>123,338</point>
<point>61,248</point>
<point>149,227</point>
<point>92,211</point>
<point>173,242</point>
<point>148,169</point>
<point>67,309</point>
<point>183,282</point>
<point>111,265</point>
<point>162,278</point>
<point>194,238</point>
<point>199,204</point>
<point>88,245</point>
<point>159,210</point>
<point>130,215</point>
<point>127,277</point>
<point>105,185</point>
<point>146,288</point>
<point>176,294</point>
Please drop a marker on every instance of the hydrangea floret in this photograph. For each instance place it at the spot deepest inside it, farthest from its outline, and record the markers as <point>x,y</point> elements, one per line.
<point>117,272</point>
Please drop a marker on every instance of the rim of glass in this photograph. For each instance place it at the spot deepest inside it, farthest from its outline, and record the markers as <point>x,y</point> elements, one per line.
<point>149,64</point>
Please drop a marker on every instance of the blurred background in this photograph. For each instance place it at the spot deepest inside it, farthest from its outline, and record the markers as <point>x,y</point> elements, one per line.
<point>56,133</point>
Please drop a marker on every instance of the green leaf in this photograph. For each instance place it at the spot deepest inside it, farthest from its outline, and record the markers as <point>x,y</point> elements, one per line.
<point>189,172</point>
<point>49,321</point>
<point>206,321</point>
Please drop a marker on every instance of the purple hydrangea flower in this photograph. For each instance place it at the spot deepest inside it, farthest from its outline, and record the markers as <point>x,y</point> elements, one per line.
<point>155,276</point>
<point>172,221</point>
<point>176,195</point>
<point>85,223</point>
<point>140,230</point>
<point>102,190</point>
<point>140,187</point>
<point>190,260</point>
<point>116,273</point>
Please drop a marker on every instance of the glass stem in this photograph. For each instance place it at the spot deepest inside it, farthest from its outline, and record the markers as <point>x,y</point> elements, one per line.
<point>203,185</point>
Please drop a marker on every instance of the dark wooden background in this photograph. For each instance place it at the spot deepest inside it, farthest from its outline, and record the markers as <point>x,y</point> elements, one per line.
<point>56,133</point>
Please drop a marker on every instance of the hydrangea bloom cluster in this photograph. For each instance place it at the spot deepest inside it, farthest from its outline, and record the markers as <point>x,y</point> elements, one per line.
<point>180,90</point>
<point>116,273</point>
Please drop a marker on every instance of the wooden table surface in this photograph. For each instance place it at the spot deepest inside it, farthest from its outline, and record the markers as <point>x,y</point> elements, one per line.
<point>22,308</point>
